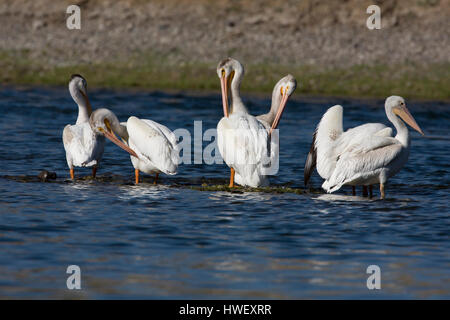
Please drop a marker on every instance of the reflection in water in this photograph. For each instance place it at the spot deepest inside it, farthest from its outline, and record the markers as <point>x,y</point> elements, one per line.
<point>339,197</point>
<point>168,240</point>
<point>143,191</point>
<point>246,196</point>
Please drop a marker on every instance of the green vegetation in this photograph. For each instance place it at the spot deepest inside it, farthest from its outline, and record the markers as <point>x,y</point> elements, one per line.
<point>148,71</point>
<point>148,182</point>
<point>239,189</point>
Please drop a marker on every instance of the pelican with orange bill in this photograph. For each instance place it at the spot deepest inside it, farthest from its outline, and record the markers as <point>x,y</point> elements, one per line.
<point>361,156</point>
<point>242,139</point>
<point>152,147</point>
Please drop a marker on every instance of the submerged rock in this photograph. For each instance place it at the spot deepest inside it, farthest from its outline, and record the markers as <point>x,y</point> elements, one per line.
<point>45,175</point>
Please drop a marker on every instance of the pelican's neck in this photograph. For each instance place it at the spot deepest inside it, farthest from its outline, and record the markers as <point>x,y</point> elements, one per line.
<point>235,97</point>
<point>402,130</point>
<point>121,130</point>
<point>83,114</point>
<point>84,108</point>
<point>270,116</point>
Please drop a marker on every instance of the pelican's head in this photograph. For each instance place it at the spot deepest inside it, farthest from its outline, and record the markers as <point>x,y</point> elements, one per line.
<point>286,86</point>
<point>281,93</point>
<point>226,70</point>
<point>78,87</point>
<point>78,82</point>
<point>396,105</point>
<point>228,66</point>
<point>105,122</point>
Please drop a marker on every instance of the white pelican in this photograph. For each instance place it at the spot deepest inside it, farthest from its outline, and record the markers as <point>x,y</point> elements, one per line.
<point>363,155</point>
<point>324,159</point>
<point>84,148</point>
<point>242,138</point>
<point>153,147</point>
<point>270,120</point>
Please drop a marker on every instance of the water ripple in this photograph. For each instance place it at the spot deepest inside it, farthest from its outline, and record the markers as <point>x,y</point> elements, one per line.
<point>168,240</point>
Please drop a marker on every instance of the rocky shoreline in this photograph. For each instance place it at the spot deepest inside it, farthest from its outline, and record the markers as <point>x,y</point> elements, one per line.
<point>320,34</point>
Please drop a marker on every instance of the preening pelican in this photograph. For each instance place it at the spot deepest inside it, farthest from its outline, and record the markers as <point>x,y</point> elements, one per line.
<point>153,147</point>
<point>242,138</point>
<point>84,148</point>
<point>270,119</point>
<point>358,158</point>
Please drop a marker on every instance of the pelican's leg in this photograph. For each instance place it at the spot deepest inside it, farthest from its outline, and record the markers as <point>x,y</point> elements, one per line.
<point>231,178</point>
<point>381,190</point>
<point>354,190</point>
<point>156,178</point>
<point>364,191</point>
<point>72,174</point>
<point>136,176</point>
<point>94,171</point>
<point>370,191</point>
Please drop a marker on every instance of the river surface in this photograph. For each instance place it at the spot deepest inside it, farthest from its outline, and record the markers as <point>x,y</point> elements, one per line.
<point>172,241</point>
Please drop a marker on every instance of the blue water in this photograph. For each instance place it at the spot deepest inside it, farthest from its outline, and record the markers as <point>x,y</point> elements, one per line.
<point>169,241</point>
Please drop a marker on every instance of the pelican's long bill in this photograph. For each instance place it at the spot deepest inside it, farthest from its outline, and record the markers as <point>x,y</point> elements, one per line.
<point>223,85</point>
<point>284,99</point>
<point>404,113</point>
<point>111,136</point>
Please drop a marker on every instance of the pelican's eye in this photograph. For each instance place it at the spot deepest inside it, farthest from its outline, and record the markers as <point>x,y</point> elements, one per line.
<point>281,90</point>
<point>223,72</point>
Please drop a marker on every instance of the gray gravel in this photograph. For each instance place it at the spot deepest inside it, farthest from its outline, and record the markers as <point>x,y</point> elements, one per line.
<point>309,32</point>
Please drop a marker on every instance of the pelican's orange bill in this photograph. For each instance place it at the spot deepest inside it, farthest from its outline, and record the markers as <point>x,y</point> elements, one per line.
<point>283,102</point>
<point>111,136</point>
<point>223,85</point>
<point>408,118</point>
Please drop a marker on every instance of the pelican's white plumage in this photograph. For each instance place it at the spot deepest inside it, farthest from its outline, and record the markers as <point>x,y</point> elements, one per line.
<point>243,139</point>
<point>83,146</point>
<point>154,146</point>
<point>242,142</point>
<point>330,132</point>
<point>364,155</point>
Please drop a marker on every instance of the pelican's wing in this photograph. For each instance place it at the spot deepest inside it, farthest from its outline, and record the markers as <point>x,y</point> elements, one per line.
<point>367,128</point>
<point>67,136</point>
<point>153,145</point>
<point>163,130</point>
<point>83,147</point>
<point>311,160</point>
<point>386,132</point>
<point>351,140</point>
<point>170,136</point>
<point>357,136</point>
<point>365,158</point>
<point>330,142</point>
<point>329,129</point>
